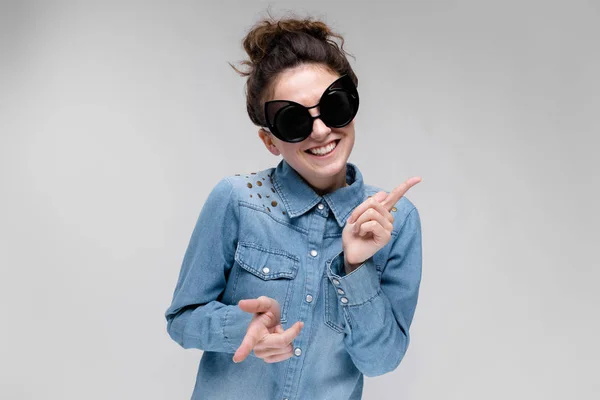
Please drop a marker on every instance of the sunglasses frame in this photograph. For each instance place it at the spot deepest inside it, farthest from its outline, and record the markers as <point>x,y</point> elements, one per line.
<point>345,84</point>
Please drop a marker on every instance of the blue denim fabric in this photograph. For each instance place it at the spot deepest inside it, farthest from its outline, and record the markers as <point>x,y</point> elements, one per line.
<point>268,233</point>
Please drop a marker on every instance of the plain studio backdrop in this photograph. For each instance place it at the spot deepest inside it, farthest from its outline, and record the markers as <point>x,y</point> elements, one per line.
<point>118,118</point>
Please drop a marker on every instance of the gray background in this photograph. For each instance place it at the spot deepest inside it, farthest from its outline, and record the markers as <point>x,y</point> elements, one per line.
<point>117,118</point>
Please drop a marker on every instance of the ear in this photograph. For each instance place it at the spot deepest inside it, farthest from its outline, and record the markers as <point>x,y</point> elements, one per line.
<point>267,139</point>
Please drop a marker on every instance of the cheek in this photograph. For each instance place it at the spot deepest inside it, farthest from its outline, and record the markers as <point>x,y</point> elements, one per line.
<point>349,132</point>
<point>289,149</point>
<point>349,138</point>
<point>349,129</point>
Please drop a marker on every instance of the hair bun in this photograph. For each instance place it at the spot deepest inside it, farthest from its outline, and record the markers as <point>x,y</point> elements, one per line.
<point>263,34</point>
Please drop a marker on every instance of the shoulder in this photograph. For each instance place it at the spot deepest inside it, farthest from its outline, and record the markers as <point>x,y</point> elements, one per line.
<point>253,188</point>
<point>242,182</point>
<point>402,211</point>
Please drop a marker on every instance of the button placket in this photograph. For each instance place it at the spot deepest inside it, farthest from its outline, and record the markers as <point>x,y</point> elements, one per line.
<point>311,282</point>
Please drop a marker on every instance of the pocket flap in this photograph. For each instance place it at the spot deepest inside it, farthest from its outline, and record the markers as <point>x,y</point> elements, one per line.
<point>266,263</point>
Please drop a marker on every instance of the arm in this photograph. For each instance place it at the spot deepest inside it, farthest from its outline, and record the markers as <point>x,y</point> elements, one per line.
<point>379,312</point>
<point>195,318</point>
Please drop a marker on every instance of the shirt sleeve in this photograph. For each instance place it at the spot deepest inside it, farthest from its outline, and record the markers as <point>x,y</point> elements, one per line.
<point>196,319</point>
<point>379,310</point>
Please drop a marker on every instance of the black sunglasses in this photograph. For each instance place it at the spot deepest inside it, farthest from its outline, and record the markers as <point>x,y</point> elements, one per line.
<point>292,122</point>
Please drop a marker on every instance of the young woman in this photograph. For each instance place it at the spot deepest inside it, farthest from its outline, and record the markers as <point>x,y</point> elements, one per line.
<point>299,279</point>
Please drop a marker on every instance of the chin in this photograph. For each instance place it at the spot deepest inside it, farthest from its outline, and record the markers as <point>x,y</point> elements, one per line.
<point>331,170</point>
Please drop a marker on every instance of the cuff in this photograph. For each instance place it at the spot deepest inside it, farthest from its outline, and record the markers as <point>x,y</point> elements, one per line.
<point>356,288</point>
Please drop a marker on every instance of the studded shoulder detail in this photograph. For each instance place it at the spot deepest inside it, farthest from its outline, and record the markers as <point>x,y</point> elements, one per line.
<point>257,188</point>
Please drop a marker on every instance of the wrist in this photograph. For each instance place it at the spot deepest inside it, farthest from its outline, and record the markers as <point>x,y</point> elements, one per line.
<point>349,266</point>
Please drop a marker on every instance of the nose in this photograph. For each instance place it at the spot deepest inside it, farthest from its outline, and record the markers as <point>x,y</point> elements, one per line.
<point>320,130</point>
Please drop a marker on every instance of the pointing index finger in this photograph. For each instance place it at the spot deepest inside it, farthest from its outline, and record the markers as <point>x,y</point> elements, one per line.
<point>246,346</point>
<point>399,191</point>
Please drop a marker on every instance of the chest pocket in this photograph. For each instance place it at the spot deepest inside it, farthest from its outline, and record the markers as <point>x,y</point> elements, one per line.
<point>264,272</point>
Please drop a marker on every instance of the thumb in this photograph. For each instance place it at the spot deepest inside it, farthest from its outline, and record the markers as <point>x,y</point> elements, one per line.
<point>292,332</point>
<point>259,305</point>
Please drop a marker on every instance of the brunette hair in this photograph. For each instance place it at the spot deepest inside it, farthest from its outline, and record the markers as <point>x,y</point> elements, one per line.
<point>276,45</point>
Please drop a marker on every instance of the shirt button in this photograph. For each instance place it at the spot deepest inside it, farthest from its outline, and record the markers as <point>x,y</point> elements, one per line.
<point>321,206</point>
<point>313,253</point>
<point>266,270</point>
<point>336,282</point>
<point>298,352</point>
<point>309,298</point>
<point>340,291</point>
<point>344,300</point>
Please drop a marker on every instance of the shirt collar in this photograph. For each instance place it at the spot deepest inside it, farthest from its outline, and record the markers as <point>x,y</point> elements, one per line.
<point>298,197</point>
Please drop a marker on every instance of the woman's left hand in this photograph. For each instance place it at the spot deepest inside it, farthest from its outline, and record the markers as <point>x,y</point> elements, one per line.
<point>370,225</point>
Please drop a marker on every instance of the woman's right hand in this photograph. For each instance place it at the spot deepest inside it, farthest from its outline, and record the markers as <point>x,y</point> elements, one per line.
<point>265,335</point>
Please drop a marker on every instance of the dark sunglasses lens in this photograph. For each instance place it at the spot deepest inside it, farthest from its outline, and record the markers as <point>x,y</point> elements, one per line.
<point>338,108</point>
<point>293,123</point>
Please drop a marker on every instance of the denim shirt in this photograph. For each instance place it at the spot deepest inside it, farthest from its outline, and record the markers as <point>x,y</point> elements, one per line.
<point>269,234</point>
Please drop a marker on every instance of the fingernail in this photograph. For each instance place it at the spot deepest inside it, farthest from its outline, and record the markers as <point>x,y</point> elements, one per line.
<point>233,358</point>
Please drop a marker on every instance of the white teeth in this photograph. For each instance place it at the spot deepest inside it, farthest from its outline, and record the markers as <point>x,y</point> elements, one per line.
<point>321,151</point>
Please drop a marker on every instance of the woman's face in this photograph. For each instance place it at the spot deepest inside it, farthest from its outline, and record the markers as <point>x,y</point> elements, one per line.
<point>326,172</point>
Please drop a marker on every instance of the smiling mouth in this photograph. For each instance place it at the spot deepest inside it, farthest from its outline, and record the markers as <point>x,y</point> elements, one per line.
<point>323,150</point>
